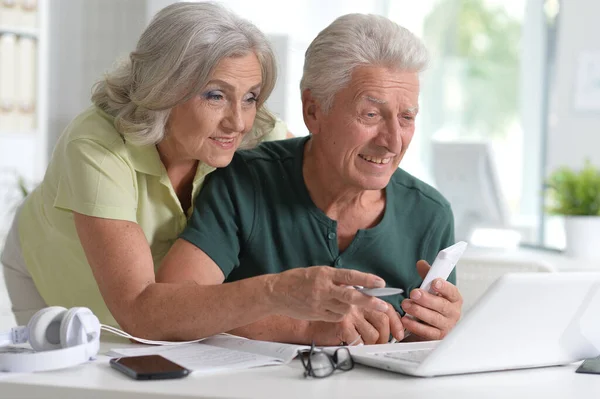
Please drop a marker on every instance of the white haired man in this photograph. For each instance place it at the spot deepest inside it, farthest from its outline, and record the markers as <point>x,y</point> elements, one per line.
<point>335,198</point>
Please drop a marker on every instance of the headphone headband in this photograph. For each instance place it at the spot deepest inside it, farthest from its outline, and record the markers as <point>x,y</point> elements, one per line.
<point>49,360</point>
<point>61,338</point>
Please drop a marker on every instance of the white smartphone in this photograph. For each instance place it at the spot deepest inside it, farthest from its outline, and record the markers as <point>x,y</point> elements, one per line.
<point>441,268</point>
<point>443,264</point>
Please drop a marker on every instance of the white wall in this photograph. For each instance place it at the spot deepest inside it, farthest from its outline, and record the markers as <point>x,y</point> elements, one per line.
<point>82,40</point>
<point>81,49</point>
<point>573,135</point>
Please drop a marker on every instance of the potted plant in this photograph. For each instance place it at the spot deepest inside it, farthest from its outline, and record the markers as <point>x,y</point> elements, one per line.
<point>576,196</point>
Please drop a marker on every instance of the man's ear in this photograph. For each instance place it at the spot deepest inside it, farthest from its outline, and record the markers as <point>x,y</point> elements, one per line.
<point>311,110</point>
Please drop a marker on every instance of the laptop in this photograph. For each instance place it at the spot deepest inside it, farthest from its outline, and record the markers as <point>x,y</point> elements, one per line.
<point>524,320</point>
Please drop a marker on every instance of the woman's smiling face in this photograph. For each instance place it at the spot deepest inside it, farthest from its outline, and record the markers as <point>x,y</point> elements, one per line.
<point>210,126</point>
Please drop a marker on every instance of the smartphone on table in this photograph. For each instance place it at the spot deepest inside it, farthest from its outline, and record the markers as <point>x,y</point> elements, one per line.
<point>148,367</point>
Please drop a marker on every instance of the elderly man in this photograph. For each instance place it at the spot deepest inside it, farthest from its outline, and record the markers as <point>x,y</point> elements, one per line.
<point>335,198</point>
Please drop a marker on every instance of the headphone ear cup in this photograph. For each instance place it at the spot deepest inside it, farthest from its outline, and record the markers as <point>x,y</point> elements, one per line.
<point>44,328</point>
<point>79,326</point>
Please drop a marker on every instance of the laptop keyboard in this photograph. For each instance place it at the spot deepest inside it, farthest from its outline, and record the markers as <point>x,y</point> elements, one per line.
<point>416,356</point>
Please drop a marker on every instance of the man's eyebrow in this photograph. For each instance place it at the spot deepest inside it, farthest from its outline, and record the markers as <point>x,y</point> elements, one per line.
<point>412,110</point>
<point>375,100</point>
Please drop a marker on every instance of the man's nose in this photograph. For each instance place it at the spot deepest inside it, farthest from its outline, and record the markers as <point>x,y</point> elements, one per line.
<point>390,137</point>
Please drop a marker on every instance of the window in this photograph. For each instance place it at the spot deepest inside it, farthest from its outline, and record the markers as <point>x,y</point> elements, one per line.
<point>485,82</point>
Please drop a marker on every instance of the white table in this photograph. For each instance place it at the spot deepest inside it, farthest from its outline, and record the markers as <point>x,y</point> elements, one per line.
<point>97,380</point>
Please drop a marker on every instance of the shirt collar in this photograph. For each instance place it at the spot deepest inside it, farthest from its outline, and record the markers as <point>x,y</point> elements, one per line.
<point>145,159</point>
<point>201,172</point>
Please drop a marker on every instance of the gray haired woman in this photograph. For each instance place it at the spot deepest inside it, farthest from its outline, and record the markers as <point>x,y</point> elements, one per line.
<point>124,174</point>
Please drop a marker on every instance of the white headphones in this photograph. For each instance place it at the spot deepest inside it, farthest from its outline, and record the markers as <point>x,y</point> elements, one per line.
<point>61,338</point>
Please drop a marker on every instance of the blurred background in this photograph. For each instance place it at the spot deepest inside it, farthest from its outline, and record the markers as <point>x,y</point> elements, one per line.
<point>512,93</point>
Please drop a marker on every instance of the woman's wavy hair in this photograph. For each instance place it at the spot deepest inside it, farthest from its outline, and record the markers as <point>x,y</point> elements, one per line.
<point>174,59</point>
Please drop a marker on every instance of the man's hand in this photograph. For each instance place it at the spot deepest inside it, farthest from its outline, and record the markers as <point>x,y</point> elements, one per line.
<point>438,314</point>
<point>358,326</point>
<point>323,293</point>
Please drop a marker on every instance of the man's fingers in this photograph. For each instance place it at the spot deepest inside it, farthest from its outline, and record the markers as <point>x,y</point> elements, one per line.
<point>354,277</point>
<point>396,326</point>
<point>428,316</point>
<point>381,324</point>
<point>421,329</point>
<point>353,297</point>
<point>423,268</point>
<point>349,334</point>
<point>368,332</point>
<point>436,303</point>
<point>447,290</point>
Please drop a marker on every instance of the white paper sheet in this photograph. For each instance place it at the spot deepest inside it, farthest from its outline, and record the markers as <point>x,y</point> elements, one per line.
<point>283,352</point>
<point>219,353</point>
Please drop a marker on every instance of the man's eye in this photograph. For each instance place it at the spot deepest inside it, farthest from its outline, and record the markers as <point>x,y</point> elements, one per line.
<point>371,114</point>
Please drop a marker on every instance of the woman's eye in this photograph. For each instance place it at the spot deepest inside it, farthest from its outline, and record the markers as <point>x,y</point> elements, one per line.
<point>214,96</point>
<point>252,99</point>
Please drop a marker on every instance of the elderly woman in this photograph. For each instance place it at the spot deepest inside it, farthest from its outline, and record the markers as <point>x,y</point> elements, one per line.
<point>124,175</point>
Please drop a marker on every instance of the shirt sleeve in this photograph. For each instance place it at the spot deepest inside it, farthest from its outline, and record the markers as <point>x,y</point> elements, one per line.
<point>279,131</point>
<point>223,215</point>
<point>96,182</point>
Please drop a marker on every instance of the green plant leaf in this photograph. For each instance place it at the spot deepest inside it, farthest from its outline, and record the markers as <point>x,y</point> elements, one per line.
<point>573,192</point>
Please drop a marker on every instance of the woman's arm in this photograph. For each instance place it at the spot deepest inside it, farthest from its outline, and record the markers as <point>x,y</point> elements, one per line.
<point>121,262</point>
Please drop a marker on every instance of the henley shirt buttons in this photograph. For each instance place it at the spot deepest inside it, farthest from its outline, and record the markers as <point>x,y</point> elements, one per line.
<point>331,236</point>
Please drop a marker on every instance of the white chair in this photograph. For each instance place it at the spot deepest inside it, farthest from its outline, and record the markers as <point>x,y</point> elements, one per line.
<point>474,275</point>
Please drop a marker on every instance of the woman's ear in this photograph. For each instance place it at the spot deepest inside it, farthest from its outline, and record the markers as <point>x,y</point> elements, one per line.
<point>311,112</point>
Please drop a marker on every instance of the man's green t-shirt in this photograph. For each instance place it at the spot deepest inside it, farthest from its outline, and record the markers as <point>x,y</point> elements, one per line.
<point>256,217</point>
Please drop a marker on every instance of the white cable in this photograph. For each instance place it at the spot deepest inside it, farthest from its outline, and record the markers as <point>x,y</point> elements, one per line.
<point>122,333</point>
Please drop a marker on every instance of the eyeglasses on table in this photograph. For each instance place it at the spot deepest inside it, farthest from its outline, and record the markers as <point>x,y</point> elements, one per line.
<point>319,364</point>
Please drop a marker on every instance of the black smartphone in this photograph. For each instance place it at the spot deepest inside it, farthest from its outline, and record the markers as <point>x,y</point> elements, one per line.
<point>148,367</point>
<point>590,366</point>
